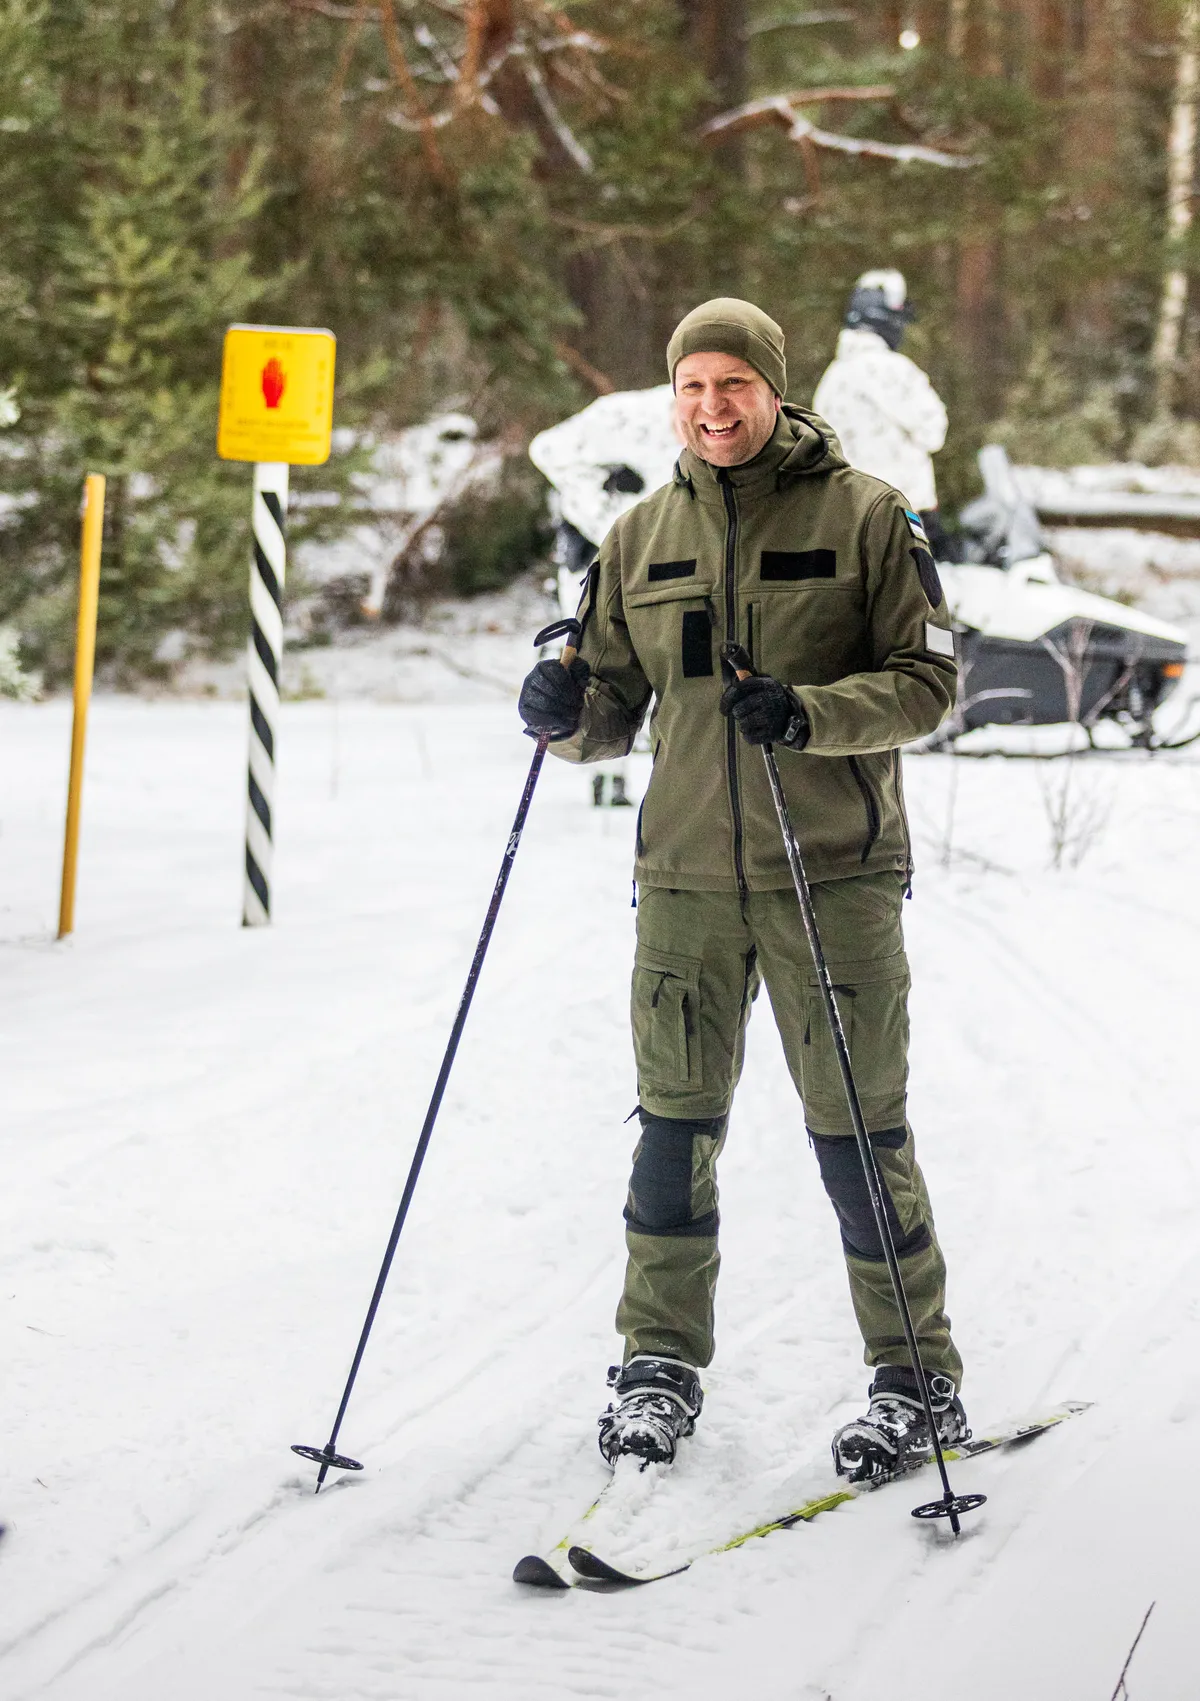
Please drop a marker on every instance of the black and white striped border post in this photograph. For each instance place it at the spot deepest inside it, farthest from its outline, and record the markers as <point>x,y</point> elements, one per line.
<point>264,656</point>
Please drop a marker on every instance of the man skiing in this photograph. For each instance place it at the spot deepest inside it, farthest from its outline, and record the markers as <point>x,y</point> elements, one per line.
<point>887,414</point>
<point>766,537</point>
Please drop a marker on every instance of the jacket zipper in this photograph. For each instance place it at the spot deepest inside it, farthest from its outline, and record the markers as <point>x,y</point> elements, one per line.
<point>731,734</point>
<point>908,856</point>
<point>872,806</point>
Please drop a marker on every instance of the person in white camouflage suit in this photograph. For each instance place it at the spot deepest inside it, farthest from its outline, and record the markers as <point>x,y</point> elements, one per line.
<point>600,462</point>
<point>890,419</point>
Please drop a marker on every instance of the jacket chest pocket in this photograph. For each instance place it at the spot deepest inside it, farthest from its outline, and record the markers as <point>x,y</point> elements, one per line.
<point>672,628</point>
<point>806,634</point>
<point>666,1018</point>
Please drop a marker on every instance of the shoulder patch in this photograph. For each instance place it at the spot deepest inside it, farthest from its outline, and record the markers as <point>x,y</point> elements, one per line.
<point>916,527</point>
<point>928,574</point>
<point>938,641</point>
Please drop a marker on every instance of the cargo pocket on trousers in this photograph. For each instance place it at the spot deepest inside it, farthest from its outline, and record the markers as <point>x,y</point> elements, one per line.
<point>666,1018</point>
<point>872,999</point>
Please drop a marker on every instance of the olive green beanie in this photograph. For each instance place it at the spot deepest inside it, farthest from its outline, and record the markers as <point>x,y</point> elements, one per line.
<point>729,326</point>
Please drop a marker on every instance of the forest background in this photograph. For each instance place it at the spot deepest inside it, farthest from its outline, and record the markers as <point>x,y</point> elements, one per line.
<point>502,206</point>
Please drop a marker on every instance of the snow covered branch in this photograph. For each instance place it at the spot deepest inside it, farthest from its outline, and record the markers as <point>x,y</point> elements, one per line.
<point>781,108</point>
<point>402,72</point>
<point>530,38</point>
<point>783,111</point>
<point>562,130</point>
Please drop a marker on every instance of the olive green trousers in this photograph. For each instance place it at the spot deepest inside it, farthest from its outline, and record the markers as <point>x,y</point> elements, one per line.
<point>699,962</point>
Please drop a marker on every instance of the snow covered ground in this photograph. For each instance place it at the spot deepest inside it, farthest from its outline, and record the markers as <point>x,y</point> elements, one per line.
<point>204,1135</point>
<point>477,647</point>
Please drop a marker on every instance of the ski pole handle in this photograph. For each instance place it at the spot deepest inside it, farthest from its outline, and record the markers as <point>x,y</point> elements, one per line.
<point>736,657</point>
<point>562,629</point>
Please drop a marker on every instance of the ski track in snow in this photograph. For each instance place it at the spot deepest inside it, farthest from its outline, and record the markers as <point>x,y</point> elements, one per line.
<point>206,1133</point>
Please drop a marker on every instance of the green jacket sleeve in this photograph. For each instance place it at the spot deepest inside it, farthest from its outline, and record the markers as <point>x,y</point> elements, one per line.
<point>618,692</point>
<point>910,688</point>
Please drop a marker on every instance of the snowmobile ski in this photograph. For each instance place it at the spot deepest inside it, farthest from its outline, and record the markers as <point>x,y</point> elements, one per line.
<point>592,1568</point>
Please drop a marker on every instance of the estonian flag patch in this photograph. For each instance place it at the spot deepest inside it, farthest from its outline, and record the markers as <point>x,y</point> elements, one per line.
<point>915,527</point>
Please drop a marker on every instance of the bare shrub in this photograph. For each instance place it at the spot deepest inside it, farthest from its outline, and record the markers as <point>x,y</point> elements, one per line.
<point>1077,811</point>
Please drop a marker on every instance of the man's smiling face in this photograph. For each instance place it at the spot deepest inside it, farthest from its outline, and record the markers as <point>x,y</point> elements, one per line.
<point>726,410</point>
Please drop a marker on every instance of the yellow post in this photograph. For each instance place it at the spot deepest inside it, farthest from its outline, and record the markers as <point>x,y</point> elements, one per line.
<point>85,659</point>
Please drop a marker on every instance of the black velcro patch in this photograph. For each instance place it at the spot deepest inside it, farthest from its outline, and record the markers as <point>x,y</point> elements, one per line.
<point>671,570</point>
<point>928,574</point>
<point>798,564</point>
<point>697,644</point>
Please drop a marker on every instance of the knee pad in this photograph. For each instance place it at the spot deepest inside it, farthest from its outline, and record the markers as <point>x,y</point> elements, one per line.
<point>846,1185</point>
<point>660,1188</point>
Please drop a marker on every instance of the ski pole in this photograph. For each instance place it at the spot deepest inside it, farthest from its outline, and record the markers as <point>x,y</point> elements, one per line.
<point>327,1456</point>
<point>950,1505</point>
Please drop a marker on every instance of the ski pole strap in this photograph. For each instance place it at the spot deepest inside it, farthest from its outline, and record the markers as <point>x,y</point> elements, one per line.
<point>561,629</point>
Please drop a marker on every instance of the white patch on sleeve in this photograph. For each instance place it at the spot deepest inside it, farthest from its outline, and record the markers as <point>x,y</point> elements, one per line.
<point>938,641</point>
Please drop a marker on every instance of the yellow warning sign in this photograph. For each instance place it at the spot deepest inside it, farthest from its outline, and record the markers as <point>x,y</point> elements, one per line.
<point>276,395</point>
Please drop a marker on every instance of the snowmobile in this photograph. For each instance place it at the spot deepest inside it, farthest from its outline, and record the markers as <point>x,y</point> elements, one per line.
<point>1035,651</point>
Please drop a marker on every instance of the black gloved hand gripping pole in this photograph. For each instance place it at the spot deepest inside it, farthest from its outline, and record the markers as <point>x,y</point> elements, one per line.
<point>326,1456</point>
<point>950,1505</point>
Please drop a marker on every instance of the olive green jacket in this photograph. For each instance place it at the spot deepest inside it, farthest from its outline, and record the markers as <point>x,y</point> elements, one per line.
<point>821,573</point>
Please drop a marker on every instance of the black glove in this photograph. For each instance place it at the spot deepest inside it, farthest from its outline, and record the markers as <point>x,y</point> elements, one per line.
<point>766,712</point>
<point>551,698</point>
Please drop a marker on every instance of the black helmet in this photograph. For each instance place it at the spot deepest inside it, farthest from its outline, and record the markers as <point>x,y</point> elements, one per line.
<point>879,303</point>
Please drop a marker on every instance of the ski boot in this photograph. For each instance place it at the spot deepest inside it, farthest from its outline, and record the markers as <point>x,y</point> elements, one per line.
<point>892,1436</point>
<point>619,798</point>
<point>657,1403</point>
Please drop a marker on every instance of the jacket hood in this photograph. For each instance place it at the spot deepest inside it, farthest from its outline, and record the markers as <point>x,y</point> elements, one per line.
<point>802,445</point>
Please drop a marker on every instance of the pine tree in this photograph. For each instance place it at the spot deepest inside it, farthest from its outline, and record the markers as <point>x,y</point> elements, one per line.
<point>142,264</point>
